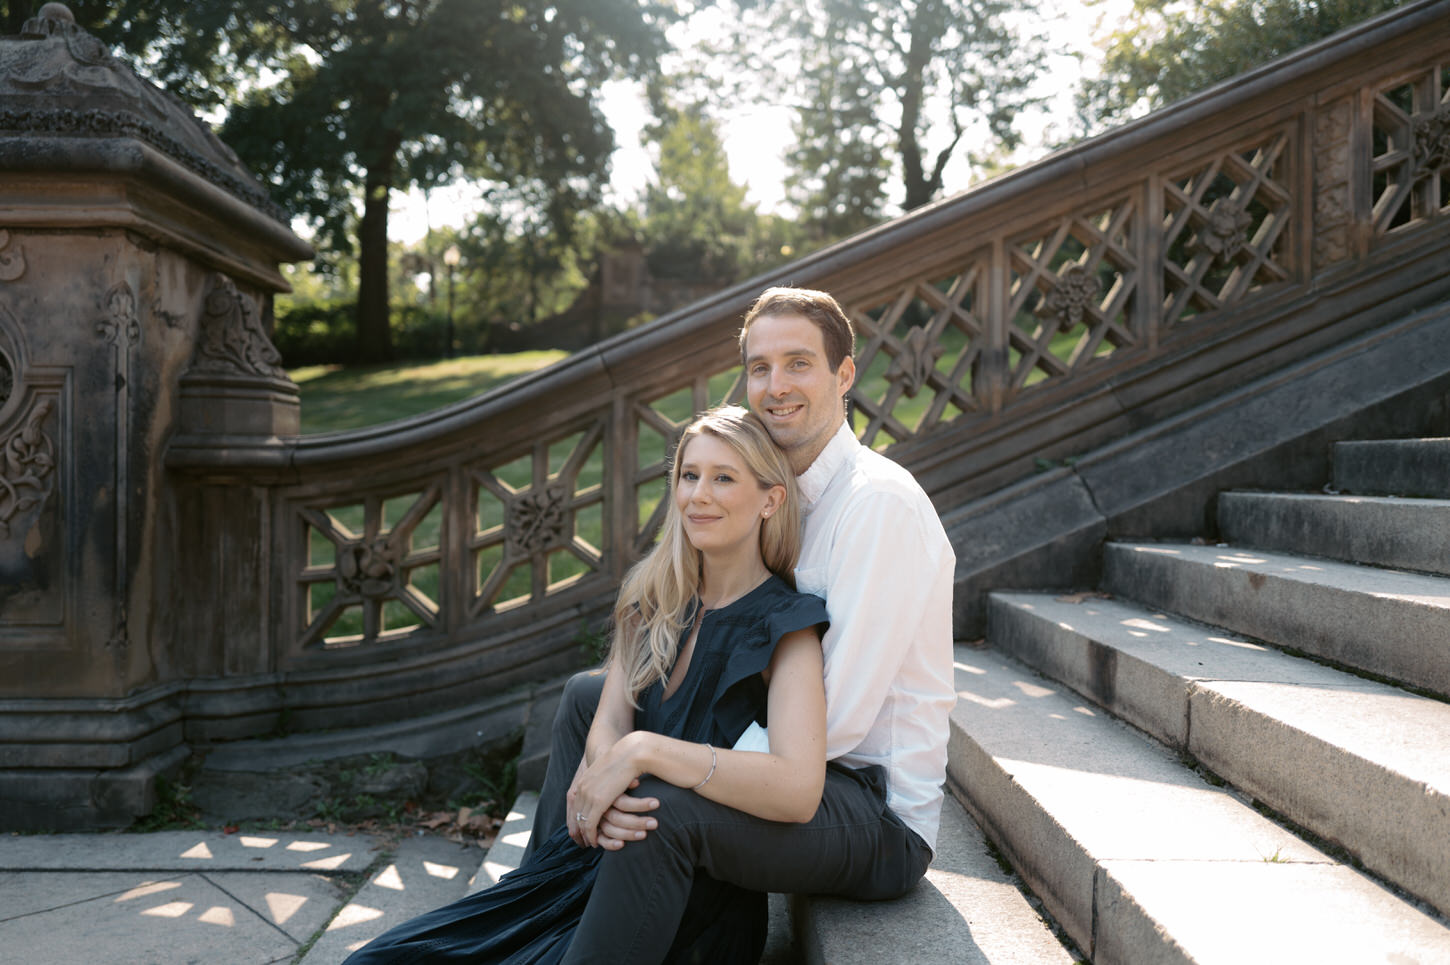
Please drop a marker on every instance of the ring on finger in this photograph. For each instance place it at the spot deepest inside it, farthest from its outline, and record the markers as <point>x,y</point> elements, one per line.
<point>579,817</point>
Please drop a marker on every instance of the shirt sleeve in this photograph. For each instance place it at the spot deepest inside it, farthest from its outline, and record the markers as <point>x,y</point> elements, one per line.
<point>882,574</point>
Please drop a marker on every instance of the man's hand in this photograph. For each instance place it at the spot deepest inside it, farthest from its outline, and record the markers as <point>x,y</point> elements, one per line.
<point>627,819</point>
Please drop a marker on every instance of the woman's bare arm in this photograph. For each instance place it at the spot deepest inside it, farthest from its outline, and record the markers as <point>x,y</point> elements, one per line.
<point>782,785</point>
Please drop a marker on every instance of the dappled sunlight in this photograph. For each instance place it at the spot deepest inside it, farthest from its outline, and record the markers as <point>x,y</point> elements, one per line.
<point>445,871</point>
<point>390,879</point>
<point>218,915</point>
<point>147,888</point>
<point>248,841</point>
<point>1158,550</point>
<point>328,864</point>
<point>199,851</point>
<point>1033,690</point>
<point>172,909</point>
<point>1139,623</point>
<point>968,668</point>
<point>308,846</point>
<point>282,906</point>
<point>354,914</point>
<point>1241,644</point>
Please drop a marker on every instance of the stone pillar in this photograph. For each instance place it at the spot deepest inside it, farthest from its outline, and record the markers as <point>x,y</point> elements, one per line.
<point>138,259</point>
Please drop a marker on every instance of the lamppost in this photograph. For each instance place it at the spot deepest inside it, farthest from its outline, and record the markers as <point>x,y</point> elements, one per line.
<point>450,258</point>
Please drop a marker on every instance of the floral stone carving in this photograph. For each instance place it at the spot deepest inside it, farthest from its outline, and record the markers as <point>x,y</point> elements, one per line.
<point>12,263</point>
<point>1075,290</point>
<point>367,569</point>
<point>121,326</point>
<point>536,519</point>
<point>232,340</point>
<point>27,463</point>
<point>915,363</point>
<point>1226,231</point>
<point>1431,143</point>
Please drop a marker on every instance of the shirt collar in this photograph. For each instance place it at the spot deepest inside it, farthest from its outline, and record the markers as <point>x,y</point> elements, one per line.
<point>813,482</point>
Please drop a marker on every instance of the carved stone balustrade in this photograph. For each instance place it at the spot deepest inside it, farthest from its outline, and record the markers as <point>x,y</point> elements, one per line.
<point>378,576</point>
<point>137,265</point>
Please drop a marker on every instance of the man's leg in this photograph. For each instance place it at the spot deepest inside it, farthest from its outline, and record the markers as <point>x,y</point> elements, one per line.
<point>577,705</point>
<point>854,846</point>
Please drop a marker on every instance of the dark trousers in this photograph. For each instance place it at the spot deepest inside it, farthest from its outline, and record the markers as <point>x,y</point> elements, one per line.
<point>854,847</point>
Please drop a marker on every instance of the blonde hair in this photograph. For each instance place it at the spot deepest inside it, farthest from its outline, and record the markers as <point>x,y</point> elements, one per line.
<point>654,600</point>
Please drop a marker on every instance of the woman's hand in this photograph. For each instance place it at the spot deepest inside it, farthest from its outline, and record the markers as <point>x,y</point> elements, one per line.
<point>597,787</point>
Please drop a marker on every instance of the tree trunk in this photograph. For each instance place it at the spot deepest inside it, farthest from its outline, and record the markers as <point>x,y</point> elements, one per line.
<point>919,188</point>
<point>374,336</point>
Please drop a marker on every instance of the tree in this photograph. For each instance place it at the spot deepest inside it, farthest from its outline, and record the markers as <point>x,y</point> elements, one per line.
<point>336,103</point>
<point>697,225</point>
<point>1169,49</point>
<point>886,86</point>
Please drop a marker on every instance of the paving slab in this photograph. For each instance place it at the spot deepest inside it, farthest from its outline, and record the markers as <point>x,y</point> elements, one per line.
<point>966,910</point>
<point>507,851</point>
<point>1065,791</point>
<point>1360,763</point>
<point>425,872</point>
<point>130,918</point>
<point>1411,534</point>
<point>1388,622</point>
<point>203,851</point>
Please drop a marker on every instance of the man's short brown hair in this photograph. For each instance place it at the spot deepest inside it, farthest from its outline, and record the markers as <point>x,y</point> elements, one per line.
<point>837,333</point>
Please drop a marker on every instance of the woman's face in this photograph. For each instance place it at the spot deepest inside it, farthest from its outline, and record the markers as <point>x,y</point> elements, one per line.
<point>721,502</point>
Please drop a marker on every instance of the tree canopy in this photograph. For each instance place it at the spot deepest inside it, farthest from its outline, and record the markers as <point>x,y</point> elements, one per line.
<point>884,89</point>
<point>336,103</point>
<point>1169,49</point>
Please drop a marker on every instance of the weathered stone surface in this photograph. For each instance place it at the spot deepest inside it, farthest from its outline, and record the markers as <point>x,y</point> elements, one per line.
<point>1356,762</point>
<point>966,910</point>
<point>1403,533</point>
<point>1394,467</point>
<point>1387,622</point>
<point>426,872</point>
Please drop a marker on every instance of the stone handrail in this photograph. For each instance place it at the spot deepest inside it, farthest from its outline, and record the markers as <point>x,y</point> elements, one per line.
<point>423,562</point>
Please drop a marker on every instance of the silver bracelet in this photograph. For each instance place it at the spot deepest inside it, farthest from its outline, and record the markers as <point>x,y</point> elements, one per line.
<point>713,761</point>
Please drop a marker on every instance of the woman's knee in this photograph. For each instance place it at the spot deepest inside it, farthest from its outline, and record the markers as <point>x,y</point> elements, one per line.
<point>580,698</point>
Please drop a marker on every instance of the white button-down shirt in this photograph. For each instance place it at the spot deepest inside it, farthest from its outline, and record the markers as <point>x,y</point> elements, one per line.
<point>875,549</point>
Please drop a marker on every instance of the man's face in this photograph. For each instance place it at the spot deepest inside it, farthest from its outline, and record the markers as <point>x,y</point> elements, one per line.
<point>791,386</point>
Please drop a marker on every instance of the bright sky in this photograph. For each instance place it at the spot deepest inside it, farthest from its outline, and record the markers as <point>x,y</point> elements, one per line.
<point>757,136</point>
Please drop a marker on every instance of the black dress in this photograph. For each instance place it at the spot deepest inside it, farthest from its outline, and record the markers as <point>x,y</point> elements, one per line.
<point>531,914</point>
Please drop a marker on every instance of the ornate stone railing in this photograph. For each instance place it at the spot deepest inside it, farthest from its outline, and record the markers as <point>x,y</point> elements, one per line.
<point>420,563</point>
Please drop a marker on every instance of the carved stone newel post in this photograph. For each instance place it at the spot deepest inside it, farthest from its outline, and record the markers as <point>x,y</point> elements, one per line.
<point>137,264</point>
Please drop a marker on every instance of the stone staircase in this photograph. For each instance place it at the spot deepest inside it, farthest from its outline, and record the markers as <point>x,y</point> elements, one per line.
<point>1235,752</point>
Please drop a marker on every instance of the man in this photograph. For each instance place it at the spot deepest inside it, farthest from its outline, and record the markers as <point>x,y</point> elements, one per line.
<point>875,549</point>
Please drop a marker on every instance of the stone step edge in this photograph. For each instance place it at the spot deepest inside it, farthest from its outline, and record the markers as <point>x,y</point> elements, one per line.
<point>1384,642</point>
<point>1121,915</point>
<point>1227,724</point>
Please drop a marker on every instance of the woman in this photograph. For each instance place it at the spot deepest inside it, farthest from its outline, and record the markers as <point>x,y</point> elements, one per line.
<point>709,636</point>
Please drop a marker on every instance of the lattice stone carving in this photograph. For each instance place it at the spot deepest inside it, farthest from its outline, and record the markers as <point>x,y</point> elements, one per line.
<point>1225,228</point>
<point>539,520</point>
<point>27,467</point>
<point>372,570</point>
<point>1410,169</point>
<point>920,355</point>
<point>232,340</point>
<point>1073,291</point>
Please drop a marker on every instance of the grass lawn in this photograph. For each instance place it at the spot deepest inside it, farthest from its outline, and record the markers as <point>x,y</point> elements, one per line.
<point>336,398</point>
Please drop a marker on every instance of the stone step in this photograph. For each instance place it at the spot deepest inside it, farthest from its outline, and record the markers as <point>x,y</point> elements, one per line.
<point>1137,857</point>
<point>1411,534</point>
<point>1394,467</point>
<point>1359,763</point>
<point>966,911</point>
<point>1387,622</point>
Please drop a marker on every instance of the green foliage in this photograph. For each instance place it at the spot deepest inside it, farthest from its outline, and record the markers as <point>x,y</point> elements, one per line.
<point>173,811</point>
<point>1170,49</point>
<point>882,89</point>
<point>593,643</point>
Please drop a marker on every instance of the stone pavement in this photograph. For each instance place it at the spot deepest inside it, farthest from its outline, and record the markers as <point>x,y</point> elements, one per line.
<point>210,898</point>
